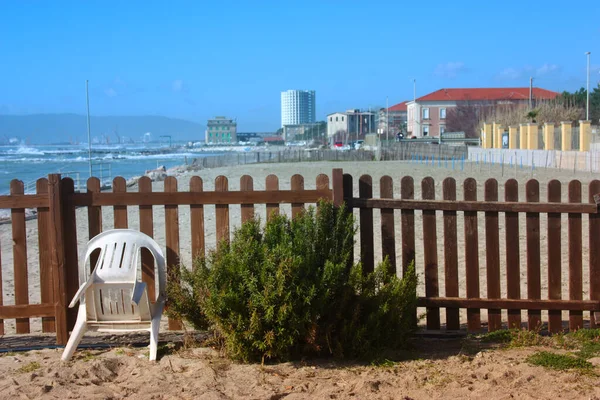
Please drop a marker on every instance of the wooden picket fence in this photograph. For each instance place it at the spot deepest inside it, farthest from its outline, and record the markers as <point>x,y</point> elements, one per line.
<point>56,203</point>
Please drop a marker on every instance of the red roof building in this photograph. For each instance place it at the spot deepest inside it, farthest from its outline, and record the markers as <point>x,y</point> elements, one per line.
<point>427,114</point>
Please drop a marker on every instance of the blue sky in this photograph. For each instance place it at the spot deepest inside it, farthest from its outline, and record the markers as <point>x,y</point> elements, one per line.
<point>198,59</point>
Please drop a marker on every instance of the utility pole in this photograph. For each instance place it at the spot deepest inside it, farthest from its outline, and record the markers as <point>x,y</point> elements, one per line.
<point>587,103</point>
<point>414,89</point>
<point>87,101</point>
<point>387,130</point>
<point>530,92</point>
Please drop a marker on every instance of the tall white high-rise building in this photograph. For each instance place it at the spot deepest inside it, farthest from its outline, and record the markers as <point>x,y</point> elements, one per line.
<point>297,107</point>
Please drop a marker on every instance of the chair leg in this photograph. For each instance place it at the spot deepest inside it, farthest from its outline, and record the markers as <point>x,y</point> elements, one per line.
<point>154,338</point>
<point>76,335</point>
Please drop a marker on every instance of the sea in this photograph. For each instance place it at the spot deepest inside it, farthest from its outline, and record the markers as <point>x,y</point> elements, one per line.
<point>29,162</point>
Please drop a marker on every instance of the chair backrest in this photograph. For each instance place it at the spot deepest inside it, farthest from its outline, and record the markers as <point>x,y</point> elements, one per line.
<point>119,251</point>
<point>115,274</point>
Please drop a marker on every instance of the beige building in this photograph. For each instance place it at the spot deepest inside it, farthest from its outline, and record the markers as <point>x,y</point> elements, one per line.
<point>426,116</point>
<point>350,125</point>
<point>221,130</point>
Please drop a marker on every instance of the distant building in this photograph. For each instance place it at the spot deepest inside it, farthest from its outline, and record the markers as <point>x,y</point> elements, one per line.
<point>252,137</point>
<point>426,116</point>
<point>292,132</point>
<point>350,125</point>
<point>297,107</point>
<point>394,116</point>
<point>221,130</point>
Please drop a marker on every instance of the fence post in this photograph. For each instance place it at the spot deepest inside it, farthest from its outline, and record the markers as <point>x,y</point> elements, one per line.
<point>337,177</point>
<point>57,255</point>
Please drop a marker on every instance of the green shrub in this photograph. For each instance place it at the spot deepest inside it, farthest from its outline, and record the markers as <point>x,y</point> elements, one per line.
<point>290,289</point>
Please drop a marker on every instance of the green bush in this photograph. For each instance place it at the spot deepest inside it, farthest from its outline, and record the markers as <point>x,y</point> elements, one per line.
<point>290,289</point>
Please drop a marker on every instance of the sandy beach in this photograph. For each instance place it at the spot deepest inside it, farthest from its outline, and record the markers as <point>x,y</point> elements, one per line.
<point>395,169</point>
<point>438,369</point>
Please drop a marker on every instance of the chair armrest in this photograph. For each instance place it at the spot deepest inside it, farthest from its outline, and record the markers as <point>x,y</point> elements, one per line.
<point>138,290</point>
<point>80,293</point>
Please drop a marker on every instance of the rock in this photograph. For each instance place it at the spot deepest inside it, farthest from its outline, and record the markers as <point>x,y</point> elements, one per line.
<point>156,175</point>
<point>595,361</point>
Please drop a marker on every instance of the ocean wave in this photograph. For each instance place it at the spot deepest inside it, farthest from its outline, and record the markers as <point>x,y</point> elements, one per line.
<point>23,150</point>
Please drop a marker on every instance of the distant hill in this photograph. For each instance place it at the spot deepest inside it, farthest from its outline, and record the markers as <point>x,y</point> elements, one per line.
<point>55,128</point>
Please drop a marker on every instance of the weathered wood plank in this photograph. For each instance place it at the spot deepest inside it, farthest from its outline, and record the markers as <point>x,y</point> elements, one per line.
<point>297,184</point>
<point>348,192</point>
<point>554,257</point>
<point>94,219</point>
<point>70,246</point>
<point>430,253</point>
<point>247,185</point>
<point>472,255</point>
<point>443,205</point>
<point>1,291</point>
<point>222,211</point>
<point>532,226</point>
<point>43,225</point>
<point>147,226</point>
<point>524,304</point>
<point>337,177</point>
<point>388,235</point>
<point>594,243</point>
<point>24,201</point>
<point>407,216</point>
<point>172,239</point>
<point>365,190</point>
<point>272,184</point>
<point>187,198</point>
<point>57,253</point>
<point>20,271</point>
<point>27,311</point>
<point>492,244</point>
<point>120,211</point>
<point>513,269</point>
<point>575,257</point>
<point>451,254</point>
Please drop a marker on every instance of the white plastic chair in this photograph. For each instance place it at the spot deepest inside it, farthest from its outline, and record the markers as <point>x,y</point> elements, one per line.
<point>113,299</point>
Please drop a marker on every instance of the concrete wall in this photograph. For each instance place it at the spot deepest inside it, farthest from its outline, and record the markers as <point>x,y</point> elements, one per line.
<point>583,161</point>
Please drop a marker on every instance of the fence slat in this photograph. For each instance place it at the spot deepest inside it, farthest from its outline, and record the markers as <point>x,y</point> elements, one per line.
<point>94,219</point>
<point>451,255</point>
<point>348,193</point>
<point>513,269</point>
<point>120,211</point>
<point>472,255</point>
<point>430,253</point>
<point>365,191</point>
<point>43,221</point>
<point>407,191</point>
<point>147,227</point>
<point>70,248</point>
<point>337,186</point>
<point>532,226</point>
<point>1,292</point>
<point>575,258</point>
<point>492,244</point>
<point>57,252</point>
<point>594,241</point>
<point>172,239</point>
<point>222,211</point>
<point>297,183</point>
<point>554,257</point>
<point>197,220</point>
<point>272,184</point>
<point>19,237</point>
<point>247,185</point>
<point>388,235</point>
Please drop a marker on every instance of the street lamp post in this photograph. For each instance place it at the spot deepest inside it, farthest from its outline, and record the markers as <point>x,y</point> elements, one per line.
<point>587,103</point>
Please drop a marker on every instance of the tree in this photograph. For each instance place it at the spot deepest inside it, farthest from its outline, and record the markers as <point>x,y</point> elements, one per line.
<point>463,118</point>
